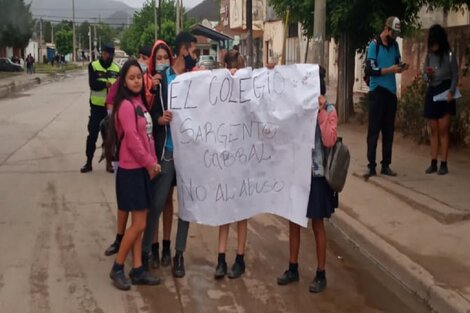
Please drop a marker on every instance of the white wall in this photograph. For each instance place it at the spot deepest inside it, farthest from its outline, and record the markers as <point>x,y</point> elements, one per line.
<point>453,18</point>
<point>273,33</point>
<point>33,49</point>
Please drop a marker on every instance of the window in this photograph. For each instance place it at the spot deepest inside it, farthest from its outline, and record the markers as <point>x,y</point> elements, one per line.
<point>293,30</point>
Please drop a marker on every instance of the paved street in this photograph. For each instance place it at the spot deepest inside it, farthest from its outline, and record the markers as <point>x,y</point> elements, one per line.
<point>55,224</point>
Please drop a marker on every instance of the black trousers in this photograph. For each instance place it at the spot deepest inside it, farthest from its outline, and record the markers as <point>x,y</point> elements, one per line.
<point>97,114</point>
<point>382,111</point>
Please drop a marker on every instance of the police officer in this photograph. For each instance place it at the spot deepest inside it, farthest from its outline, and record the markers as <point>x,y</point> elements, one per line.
<point>102,73</point>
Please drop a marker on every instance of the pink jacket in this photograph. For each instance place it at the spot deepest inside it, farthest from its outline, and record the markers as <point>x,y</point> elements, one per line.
<point>328,121</point>
<point>137,147</point>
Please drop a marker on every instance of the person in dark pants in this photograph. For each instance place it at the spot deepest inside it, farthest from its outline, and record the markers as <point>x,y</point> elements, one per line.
<point>383,62</point>
<point>102,74</point>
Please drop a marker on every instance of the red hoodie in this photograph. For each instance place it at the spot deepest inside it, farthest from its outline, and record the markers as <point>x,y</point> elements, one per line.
<point>151,70</point>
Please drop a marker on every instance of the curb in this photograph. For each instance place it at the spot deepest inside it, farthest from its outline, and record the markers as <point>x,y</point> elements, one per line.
<point>440,211</point>
<point>7,89</point>
<point>397,265</point>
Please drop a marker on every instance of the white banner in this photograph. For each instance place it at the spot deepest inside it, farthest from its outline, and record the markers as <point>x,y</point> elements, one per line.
<point>243,143</point>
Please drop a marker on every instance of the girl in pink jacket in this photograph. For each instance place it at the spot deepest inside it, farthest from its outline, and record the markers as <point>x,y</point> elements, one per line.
<point>137,166</point>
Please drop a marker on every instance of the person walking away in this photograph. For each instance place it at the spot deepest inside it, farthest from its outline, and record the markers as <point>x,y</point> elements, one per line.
<point>383,63</point>
<point>441,73</point>
<point>102,73</point>
<point>137,167</point>
<point>322,200</point>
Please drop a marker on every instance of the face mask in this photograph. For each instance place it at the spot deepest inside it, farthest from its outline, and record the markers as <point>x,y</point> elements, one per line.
<point>189,62</point>
<point>143,66</point>
<point>161,67</point>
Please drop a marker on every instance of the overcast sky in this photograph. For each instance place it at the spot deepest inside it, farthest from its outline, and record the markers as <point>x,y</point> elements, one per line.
<point>138,3</point>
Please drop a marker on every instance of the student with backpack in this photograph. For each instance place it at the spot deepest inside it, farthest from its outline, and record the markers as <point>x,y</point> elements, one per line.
<point>322,200</point>
<point>383,62</point>
<point>131,138</point>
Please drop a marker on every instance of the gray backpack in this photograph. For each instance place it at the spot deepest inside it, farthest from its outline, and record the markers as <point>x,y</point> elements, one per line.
<point>336,165</point>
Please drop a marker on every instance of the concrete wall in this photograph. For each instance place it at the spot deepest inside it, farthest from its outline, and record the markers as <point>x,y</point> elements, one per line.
<point>272,41</point>
<point>438,16</point>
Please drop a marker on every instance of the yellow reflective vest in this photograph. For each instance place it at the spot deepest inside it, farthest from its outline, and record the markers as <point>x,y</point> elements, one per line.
<point>110,74</point>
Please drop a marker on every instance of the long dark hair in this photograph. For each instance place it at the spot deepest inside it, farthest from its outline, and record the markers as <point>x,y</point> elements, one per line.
<point>437,35</point>
<point>123,93</point>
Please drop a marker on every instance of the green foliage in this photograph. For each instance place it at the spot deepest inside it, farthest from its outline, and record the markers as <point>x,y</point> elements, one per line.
<point>142,29</point>
<point>16,23</point>
<point>361,18</point>
<point>64,40</point>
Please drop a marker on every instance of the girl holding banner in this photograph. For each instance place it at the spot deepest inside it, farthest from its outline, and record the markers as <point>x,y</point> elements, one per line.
<point>233,61</point>
<point>322,200</point>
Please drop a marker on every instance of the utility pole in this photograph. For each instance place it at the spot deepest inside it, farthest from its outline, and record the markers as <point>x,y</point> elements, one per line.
<point>249,30</point>
<point>155,5</point>
<point>89,42</point>
<point>177,16</point>
<point>159,14</point>
<point>73,29</point>
<point>95,41</point>
<point>40,41</point>
<point>319,32</point>
<point>52,33</point>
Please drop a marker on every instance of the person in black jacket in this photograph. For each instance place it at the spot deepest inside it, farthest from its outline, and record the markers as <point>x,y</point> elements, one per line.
<point>102,74</point>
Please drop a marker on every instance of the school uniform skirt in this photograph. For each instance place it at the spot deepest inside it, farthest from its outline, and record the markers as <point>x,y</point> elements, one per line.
<point>133,189</point>
<point>435,110</point>
<point>322,200</point>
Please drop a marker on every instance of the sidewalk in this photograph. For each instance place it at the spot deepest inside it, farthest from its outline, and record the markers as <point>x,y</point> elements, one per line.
<point>415,226</point>
<point>18,82</point>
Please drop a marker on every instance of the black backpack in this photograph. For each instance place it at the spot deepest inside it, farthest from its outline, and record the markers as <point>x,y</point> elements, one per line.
<point>367,68</point>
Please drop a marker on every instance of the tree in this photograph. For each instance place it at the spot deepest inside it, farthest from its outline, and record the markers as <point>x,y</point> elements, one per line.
<point>353,23</point>
<point>64,40</point>
<point>16,23</point>
<point>142,29</point>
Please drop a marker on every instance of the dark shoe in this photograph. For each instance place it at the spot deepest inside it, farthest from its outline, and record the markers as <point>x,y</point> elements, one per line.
<point>388,171</point>
<point>369,173</point>
<point>155,259</point>
<point>86,168</point>
<point>109,167</point>
<point>317,285</point>
<point>145,278</point>
<point>146,260</point>
<point>178,266</point>
<point>166,258</point>
<point>288,277</point>
<point>120,280</point>
<point>443,170</point>
<point>113,248</point>
<point>431,169</point>
<point>220,270</point>
<point>236,271</point>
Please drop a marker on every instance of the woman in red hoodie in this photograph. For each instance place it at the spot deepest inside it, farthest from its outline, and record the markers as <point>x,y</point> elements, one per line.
<point>137,166</point>
<point>156,81</point>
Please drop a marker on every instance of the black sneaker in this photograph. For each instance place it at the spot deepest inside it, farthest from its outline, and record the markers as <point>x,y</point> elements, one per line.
<point>443,170</point>
<point>86,168</point>
<point>178,266</point>
<point>155,259</point>
<point>220,270</point>
<point>431,169</point>
<point>369,173</point>
<point>287,278</point>
<point>145,278</point>
<point>166,258</point>
<point>113,248</point>
<point>386,170</point>
<point>119,280</point>
<point>317,285</point>
<point>236,271</point>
